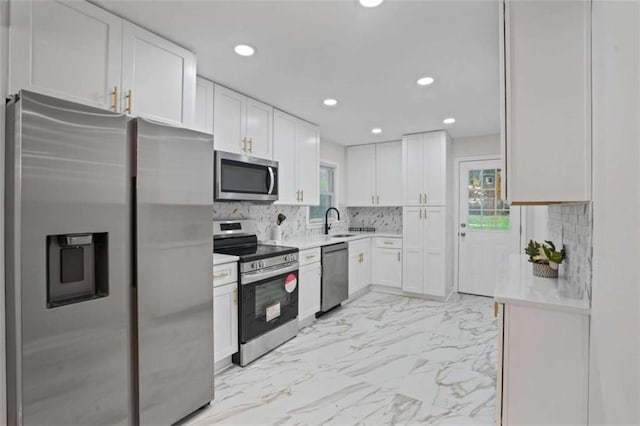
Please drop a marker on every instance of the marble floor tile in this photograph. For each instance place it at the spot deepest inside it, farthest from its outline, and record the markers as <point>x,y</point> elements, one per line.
<point>381,359</point>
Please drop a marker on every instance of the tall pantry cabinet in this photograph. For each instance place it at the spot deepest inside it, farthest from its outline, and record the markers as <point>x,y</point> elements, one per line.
<point>427,214</point>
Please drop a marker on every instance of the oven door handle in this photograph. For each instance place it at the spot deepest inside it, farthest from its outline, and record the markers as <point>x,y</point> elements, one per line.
<point>252,277</point>
<point>272,180</point>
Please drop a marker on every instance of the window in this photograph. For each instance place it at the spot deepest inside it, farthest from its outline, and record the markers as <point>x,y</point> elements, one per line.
<point>487,211</point>
<point>327,195</point>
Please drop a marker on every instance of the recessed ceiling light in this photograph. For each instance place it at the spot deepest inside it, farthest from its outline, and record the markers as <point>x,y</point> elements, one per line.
<point>330,102</point>
<point>244,50</point>
<point>371,3</point>
<point>425,81</point>
<point>376,130</point>
<point>449,120</point>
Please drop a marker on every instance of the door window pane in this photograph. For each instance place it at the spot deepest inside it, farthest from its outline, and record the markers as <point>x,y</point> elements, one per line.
<point>487,211</point>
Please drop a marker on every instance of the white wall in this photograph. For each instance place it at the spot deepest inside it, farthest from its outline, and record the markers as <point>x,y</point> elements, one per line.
<point>476,145</point>
<point>4,29</point>
<point>335,153</point>
<point>614,394</point>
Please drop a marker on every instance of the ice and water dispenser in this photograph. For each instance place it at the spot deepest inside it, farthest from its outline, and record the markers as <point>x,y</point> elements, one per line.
<point>77,268</point>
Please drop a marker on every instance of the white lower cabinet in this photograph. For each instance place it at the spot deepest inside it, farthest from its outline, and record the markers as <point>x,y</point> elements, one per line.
<point>427,259</point>
<point>543,363</point>
<point>225,313</point>
<point>387,262</point>
<point>309,281</point>
<point>359,265</point>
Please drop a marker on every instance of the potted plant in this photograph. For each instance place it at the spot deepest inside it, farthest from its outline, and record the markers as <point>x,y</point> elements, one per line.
<point>545,258</point>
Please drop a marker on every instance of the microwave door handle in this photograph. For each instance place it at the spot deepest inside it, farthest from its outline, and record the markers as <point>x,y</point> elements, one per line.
<point>272,180</point>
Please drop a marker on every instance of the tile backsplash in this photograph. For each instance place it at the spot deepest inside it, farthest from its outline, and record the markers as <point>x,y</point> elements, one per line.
<point>572,225</point>
<point>295,226</point>
<point>384,219</point>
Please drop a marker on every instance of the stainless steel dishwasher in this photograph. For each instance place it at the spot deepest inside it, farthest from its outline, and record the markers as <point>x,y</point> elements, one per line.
<point>335,275</point>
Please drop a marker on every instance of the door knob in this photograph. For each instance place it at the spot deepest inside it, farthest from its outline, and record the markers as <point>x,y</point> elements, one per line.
<point>463,234</point>
<point>463,225</point>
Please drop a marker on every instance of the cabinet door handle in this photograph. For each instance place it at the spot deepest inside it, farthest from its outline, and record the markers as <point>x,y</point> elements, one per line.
<point>420,198</point>
<point>220,275</point>
<point>496,309</point>
<point>114,95</point>
<point>425,198</point>
<point>235,296</point>
<point>302,195</point>
<point>398,256</point>
<point>244,145</point>
<point>128,97</point>
<point>377,199</point>
<point>420,213</point>
<point>373,199</point>
<point>425,214</point>
<point>310,256</point>
<point>251,145</point>
<point>388,243</point>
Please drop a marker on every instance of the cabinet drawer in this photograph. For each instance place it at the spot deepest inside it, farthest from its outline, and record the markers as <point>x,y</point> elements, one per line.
<point>310,256</point>
<point>394,243</point>
<point>225,274</point>
<point>359,246</point>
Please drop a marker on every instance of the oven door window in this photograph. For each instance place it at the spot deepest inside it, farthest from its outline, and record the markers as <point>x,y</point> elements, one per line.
<point>267,304</point>
<point>244,178</point>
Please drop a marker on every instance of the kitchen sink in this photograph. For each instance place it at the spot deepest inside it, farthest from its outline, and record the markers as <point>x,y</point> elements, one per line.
<point>342,235</point>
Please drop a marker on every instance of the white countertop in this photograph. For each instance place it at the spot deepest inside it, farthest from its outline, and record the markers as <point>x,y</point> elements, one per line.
<point>221,259</point>
<point>517,285</point>
<point>314,241</point>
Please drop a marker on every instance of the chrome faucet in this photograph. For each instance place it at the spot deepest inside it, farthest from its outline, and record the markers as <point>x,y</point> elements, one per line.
<point>326,219</point>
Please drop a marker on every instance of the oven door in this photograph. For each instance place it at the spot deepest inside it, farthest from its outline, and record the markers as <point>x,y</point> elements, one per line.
<point>239,177</point>
<point>268,303</point>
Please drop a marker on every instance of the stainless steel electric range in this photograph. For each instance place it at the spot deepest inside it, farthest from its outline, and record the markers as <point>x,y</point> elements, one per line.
<point>267,291</point>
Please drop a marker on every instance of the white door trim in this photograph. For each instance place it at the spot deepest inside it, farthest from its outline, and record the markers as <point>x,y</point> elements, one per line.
<point>456,212</point>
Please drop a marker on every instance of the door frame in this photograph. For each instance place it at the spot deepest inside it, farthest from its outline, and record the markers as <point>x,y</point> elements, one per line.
<point>456,213</point>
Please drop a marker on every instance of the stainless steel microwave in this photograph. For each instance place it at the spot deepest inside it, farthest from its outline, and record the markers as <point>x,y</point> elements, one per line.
<point>244,178</point>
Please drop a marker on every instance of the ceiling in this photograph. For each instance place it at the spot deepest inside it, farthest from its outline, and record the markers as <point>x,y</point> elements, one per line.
<point>368,59</point>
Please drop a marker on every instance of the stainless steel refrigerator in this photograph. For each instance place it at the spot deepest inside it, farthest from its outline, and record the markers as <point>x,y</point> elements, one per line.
<point>108,266</point>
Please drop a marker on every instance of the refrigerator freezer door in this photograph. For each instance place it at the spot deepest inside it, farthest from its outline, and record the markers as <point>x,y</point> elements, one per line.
<point>66,174</point>
<point>174,204</point>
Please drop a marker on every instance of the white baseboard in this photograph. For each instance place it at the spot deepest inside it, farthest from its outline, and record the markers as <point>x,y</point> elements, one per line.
<point>222,365</point>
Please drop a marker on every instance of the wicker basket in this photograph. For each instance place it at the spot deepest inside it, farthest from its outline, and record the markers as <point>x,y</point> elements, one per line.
<point>544,271</point>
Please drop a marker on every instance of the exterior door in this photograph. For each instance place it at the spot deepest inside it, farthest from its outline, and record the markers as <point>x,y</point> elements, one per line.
<point>488,228</point>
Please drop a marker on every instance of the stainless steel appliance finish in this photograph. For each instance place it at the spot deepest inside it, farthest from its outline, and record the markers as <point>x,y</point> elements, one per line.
<point>265,343</point>
<point>244,178</point>
<point>174,200</point>
<point>66,174</point>
<point>335,275</point>
<point>268,291</point>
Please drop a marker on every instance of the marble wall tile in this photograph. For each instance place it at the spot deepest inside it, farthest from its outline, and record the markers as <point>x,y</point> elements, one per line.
<point>572,225</point>
<point>295,226</point>
<point>384,219</point>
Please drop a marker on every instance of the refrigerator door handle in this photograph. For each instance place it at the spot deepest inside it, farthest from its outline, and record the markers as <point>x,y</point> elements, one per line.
<point>272,180</point>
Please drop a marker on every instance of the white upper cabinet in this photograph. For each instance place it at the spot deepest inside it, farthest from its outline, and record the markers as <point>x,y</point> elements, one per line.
<point>229,120</point>
<point>548,101</point>
<point>374,174</point>
<point>158,77</point>
<point>259,131</point>
<point>67,49</point>
<point>308,162</point>
<point>426,168</point>
<point>361,175</point>
<point>389,174</point>
<point>284,151</point>
<point>203,118</point>
<point>296,148</point>
<point>242,125</point>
